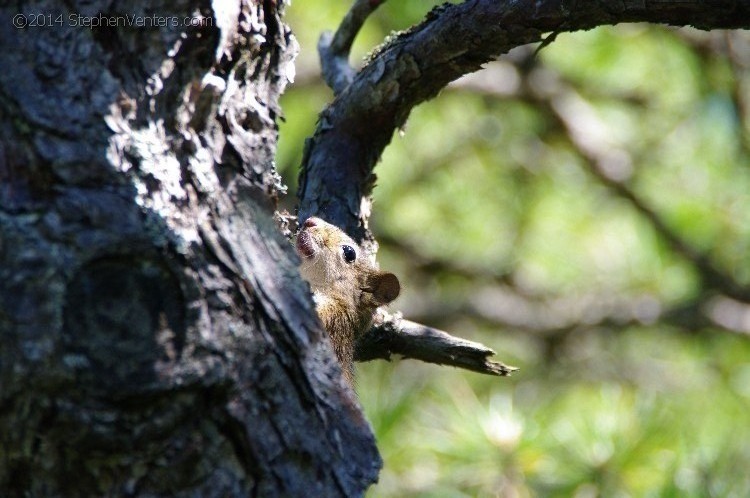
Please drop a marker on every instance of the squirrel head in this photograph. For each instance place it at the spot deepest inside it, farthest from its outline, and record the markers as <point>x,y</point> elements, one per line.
<point>335,265</point>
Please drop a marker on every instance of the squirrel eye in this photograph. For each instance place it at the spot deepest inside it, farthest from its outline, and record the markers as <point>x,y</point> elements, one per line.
<point>349,253</point>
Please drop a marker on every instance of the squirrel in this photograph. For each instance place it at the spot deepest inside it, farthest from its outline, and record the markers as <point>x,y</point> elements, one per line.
<point>347,287</point>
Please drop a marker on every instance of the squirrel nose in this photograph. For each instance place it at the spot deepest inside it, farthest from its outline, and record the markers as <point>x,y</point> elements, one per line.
<point>311,222</point>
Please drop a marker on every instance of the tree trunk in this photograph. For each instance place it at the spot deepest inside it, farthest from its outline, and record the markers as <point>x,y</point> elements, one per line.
<point>155,336</point>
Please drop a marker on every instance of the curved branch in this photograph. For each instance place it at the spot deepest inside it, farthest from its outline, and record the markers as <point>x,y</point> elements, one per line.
<point>334,49</point>
<point>394,336</point>
<point>337,177</point>
<point>453,40</point>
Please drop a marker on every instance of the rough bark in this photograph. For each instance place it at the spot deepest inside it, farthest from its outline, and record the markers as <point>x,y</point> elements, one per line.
<point>337,170</point>
<point>336,176</point>
<point>155,336</point>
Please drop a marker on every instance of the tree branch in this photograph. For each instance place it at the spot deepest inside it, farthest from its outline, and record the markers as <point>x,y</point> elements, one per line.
<point>453,40</point>
<point>336,176</point>
<point>394,336</point>
<point>334,49</point>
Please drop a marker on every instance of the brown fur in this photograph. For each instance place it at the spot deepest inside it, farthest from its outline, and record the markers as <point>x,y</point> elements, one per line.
<point>346,293</point>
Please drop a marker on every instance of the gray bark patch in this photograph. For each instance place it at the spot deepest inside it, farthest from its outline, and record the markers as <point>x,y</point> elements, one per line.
<point>124,321</point>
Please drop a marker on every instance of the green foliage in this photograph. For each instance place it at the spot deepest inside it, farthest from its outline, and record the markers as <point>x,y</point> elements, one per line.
<point>484,193</point>
<point>642,413</point>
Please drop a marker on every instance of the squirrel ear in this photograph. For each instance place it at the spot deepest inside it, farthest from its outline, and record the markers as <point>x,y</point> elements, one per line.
<point>385,287</point>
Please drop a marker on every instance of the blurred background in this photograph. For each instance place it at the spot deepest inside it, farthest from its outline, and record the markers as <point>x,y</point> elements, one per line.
<point>585,212</point>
